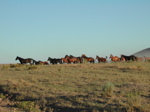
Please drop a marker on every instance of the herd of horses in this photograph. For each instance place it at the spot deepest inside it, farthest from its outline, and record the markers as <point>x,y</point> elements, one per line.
<point>82,59</point>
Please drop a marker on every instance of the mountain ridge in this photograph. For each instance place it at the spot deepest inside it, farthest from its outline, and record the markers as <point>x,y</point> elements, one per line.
<point>142,53</point>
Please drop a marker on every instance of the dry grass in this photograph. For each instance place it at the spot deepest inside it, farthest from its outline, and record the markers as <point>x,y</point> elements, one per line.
<point>78,87</point>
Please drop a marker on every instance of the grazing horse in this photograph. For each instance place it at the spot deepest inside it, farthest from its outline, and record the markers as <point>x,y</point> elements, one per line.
<point>101,59</point>
<point>128,58</point>
<point>72,59</point>
<point>25,61</point>
<point>114,58</point>
<point>88,59</point>
<point>146,58</point>
<point>54,60</point>
<point>40,62</point>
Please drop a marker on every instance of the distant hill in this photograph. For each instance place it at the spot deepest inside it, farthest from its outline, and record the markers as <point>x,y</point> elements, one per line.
<point>144,52</point>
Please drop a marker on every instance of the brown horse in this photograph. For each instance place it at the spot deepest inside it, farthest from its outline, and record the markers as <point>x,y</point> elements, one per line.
<point>122,59</point>
<point>140,58</point>
<point>25,61</point>
<point>80,60</point>
<point>72,59</point>
<point>65,60</point>
<point>114,58</point>
<point>101,59</point>
<point>146,58</point>
<point>88,59</point>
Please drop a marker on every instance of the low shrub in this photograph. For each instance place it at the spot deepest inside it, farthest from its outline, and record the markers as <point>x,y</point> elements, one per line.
<point>2,96</point>
<point>27,106</point>
<point>32,67</point>
<point>134,102</point>
<point>107,89</point>
<point>15,65</point>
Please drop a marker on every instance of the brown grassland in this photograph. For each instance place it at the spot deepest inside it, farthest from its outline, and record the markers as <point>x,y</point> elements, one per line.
<point>99,87</point>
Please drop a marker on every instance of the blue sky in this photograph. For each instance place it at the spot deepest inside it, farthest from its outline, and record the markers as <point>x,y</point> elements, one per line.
<point>53,28</point>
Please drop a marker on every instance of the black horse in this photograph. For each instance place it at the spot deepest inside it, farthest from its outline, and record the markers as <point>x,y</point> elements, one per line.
<point>128,58</point>
<point>25,61</point>
<point>54,60</point>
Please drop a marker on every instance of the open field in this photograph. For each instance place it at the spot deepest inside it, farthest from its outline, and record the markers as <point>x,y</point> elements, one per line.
<point>100,87</point>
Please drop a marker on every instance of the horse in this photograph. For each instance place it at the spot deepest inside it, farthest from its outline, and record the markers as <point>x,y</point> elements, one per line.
<point>54,60</point>
<point>140,58</point>
<point>88,59</point>
<point>80,60</point>
<point>65,60</point>
<point>25,61</point>
<point>72,59</point>
<point>146,58</point>
<point>114,58</point>
<point>122,59</point>
<point>128,58</point>
<point>40,62</point>
<point>101,59</point>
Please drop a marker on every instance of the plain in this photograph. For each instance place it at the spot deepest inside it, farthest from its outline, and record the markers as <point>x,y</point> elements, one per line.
<point>99,87</point>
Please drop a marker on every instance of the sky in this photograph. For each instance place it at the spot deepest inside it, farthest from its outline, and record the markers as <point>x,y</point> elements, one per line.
<point>40,29</point>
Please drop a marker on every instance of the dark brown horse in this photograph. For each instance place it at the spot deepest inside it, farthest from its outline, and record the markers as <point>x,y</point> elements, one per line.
<point>88,59</point>
<point>129,58</point>
<point>114,58</point>
<point>25,61</point>
<point>101,59</point>
<point>54,61</point>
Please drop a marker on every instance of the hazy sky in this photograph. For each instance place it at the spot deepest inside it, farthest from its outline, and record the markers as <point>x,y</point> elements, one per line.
<point>53,28</point>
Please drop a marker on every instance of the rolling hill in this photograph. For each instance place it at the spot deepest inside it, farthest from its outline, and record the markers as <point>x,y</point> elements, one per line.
<point>144,52</point>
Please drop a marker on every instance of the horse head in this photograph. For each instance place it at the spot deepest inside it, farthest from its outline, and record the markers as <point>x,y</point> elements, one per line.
<point>49,59</point>
<point>97,57</point>
<point>67,56</point>
<point>111,56</point>
<point>16,58</point>
<point>84,56</point>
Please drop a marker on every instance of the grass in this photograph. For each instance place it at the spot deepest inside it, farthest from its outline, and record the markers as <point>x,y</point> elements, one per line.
<point>108,89</point>
<point>134,102</point>
<point>101,87</point>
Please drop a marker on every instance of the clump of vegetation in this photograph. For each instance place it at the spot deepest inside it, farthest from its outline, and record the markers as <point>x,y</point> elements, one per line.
<point>32,67</point>
<point>2,96</point>
<point>108,89</point>
<point>15,65</point>
<point>27,106</point>
<point>134,101</point>
<point>4,67</point>
<point>148,60</point>
<point>20,97</point>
